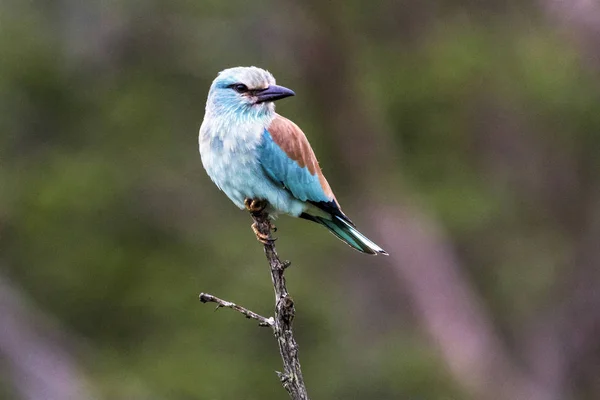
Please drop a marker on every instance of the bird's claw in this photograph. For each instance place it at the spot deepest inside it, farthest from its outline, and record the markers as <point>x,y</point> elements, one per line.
<point>261,237</point>
<point>255,206</point>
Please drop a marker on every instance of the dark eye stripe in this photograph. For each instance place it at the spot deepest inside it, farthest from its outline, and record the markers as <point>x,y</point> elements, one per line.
<point>239,87</point>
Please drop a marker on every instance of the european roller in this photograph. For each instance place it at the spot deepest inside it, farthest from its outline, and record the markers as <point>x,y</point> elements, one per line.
<point>256,156</point>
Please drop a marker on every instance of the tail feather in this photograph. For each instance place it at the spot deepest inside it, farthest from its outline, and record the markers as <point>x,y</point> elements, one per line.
<point>350,235</point>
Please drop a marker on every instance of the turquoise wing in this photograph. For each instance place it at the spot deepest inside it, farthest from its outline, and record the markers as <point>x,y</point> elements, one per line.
<point>288,159</point>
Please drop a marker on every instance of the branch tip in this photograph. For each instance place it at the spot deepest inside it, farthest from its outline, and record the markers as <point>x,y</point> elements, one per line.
<point>262,321</point>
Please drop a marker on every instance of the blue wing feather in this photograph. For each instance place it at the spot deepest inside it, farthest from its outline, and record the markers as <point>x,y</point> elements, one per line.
<point>283,170</point>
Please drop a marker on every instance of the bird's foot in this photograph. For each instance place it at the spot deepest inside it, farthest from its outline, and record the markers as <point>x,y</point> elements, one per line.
<point>255,206</point>
<point>261,237</point>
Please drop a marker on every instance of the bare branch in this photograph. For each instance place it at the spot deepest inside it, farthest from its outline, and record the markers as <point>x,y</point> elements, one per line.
<point>262,321</point>
<point>291,377</point>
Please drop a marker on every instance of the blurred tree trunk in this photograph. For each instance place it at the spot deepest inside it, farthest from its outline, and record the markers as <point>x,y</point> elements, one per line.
<point>562,342</point>
<point>36,352</point>
<point>581,18</point>
<point>556,344</point>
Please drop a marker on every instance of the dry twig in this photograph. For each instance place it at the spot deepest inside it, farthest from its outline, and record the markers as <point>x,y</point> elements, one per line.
<point>291,377</point>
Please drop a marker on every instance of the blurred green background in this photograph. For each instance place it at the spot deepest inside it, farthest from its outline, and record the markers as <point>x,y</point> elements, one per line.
<point>461,136</point>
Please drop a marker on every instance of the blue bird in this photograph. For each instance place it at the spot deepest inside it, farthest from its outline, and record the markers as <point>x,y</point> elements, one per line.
<point>252,153</point>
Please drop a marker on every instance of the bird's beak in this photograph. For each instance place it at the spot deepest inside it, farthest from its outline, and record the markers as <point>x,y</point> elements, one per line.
<point>272,93</point>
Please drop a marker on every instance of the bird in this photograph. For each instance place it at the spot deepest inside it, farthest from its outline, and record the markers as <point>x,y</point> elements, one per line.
<point>259,158</point>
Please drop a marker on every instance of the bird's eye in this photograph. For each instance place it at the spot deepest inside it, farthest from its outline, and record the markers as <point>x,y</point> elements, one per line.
<point>240,88</point>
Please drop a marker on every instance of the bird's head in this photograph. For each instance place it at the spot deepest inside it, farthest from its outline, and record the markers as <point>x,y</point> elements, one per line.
<point>245,90</point>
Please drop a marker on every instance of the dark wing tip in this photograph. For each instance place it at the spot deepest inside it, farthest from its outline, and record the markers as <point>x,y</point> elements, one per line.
<point>332,208</point>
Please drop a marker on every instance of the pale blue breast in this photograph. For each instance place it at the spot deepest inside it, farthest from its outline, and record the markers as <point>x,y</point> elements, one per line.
<point>230,155</point>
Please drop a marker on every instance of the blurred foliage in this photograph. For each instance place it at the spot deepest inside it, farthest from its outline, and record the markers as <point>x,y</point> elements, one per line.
<point>110,224</point>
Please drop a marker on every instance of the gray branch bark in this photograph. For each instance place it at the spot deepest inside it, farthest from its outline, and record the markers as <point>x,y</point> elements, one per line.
<point>291,377</point>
